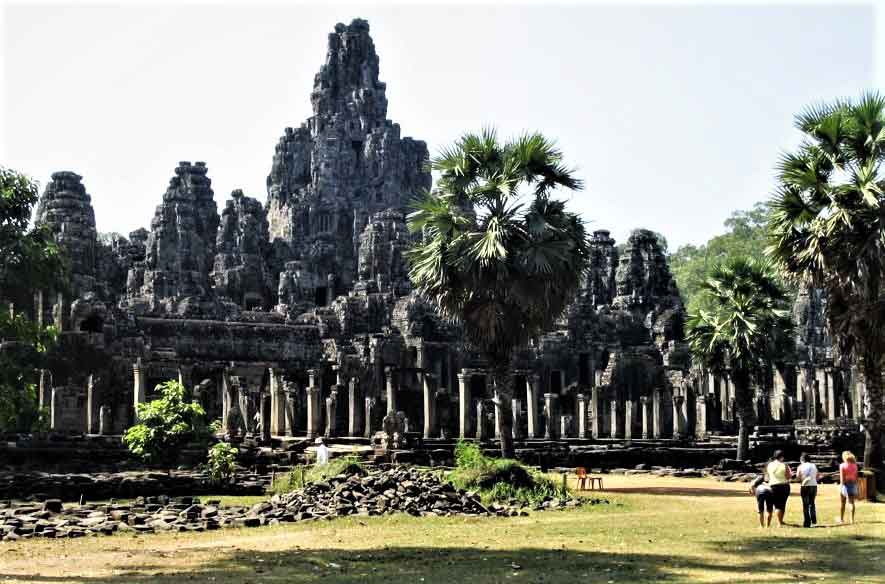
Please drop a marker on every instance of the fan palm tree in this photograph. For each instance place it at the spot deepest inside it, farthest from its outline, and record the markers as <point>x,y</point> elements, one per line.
<point>745,324</point>
<point>498,254</point>
<point>827,229</point>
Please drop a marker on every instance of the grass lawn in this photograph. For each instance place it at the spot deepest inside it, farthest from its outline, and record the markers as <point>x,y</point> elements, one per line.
<point>658,530</point>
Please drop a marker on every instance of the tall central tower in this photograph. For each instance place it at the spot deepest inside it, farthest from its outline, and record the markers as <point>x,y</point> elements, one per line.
<point>344,164</point>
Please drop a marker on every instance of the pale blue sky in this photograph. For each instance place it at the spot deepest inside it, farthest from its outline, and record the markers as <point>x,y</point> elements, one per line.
<point>673,115</point>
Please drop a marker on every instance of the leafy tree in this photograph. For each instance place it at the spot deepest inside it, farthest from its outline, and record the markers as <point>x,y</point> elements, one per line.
<point>165,425</point>
<point>498,253</point>
<point>745,326</point>
<point>222,462</point>
<point>29,261</point>
<point>745,236</point>
<point>828,230</point>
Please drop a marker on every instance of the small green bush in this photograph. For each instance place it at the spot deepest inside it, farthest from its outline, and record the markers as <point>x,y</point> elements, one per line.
<point>469,455</point>
<point>500,480</point>
<point>165,425</point>
<point>221,462</point>
<point>303,475</point>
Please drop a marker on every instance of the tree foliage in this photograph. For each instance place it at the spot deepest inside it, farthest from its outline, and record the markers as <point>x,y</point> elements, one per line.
<point>222,462</point>
<point>744,326</point>
<point>29,257</point>
<point>165,425</point>
<point>745,237</point>
<point>498,253</point>
<point>827,229</point>
<point>29,261</point>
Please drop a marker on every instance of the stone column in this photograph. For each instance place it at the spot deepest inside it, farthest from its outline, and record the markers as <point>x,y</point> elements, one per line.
<point>313,405</point>
<point>104,421</point>
<point>679,417</point>
<point>779,388</point>
<point>516,408</point>
<point>551,401</point>
<point>565,424</point>
<point>354,408</point>
<point>832,412</point>
<point>370,414</point>
<point>45,388</point>
<point>332,415</point>
<point>646,417</point>
<point>531,405</point>
<point>629,414</point>
<point>391,391</point>
<point>291,419</point>
<point>229,397</point>
<point>464,426</point>
<point>605,417</point>
<point>801,384</point>
<point>613,418</point>
<point>701,416</point>
<point>265,418</point>
<point>429,406</point>
<point>139,389</point>
<point>582,415</point>
<point>820,381</point>
<point>860,391</point>
<point>480,420</point>
<point>814,402</point>
<point>657,414</point>
<point>55,409</point>
<point>497,415</point>
<point>724,399</point>
<point>91,426</point>
<point>277,403</point>
<point>595,412</point>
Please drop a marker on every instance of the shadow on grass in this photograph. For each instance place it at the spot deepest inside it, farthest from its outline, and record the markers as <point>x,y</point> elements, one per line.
<point>843,561</point>
<point>798,552</point>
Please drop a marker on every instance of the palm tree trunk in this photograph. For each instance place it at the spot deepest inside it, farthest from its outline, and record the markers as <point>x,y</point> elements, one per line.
<point>872,458</point>
<point>503,383</point>
<point>743,399</point>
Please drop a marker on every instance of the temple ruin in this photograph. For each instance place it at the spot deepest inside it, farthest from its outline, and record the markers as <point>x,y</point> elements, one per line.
<point>295,316</point>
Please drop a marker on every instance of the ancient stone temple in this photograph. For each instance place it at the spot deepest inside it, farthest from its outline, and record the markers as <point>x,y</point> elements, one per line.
<point>295,317</point>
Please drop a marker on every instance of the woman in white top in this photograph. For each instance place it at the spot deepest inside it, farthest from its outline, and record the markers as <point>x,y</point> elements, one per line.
<point>808,475</point>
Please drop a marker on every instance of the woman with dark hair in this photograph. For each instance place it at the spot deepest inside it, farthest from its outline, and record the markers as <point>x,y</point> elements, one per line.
<point>779,478</point>
<point>760,489</point>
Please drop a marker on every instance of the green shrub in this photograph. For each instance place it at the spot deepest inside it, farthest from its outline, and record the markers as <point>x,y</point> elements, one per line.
<point>221,462</point>
<point>302,475</point>
<point>469,455</point>
<point>165,425</point>
<point>500,480</point>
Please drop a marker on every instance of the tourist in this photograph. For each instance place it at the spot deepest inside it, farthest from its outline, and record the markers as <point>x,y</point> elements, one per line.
<point>322,452</point>
<point>764,500</point>
<point>847,483</point>
<point>808,477</point>
<point>779,478</point>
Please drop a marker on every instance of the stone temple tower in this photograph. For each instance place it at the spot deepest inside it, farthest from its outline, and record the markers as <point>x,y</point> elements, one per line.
<point>343,165</point>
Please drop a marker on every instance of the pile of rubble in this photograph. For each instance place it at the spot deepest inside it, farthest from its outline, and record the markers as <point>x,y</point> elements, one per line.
<point>128,484</point>
<point>379,492</point>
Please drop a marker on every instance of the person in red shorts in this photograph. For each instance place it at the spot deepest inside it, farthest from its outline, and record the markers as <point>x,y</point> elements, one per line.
<point>847,483</point>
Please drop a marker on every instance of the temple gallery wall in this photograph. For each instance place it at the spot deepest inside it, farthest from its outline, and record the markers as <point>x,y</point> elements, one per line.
<point>296,316</point>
